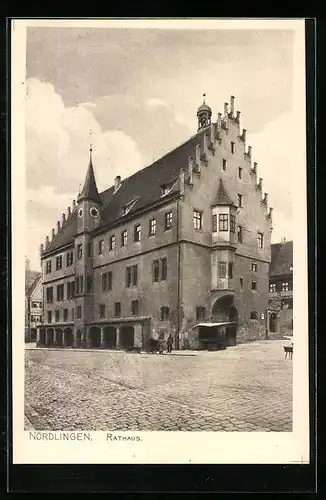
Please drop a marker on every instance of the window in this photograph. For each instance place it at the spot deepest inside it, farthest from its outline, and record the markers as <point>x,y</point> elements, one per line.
<point>200,313</point>
<point>57,315</point>
<point>232,223</point>
<point>137,232</point>
<point>253,315</point>
<point>240,200</point>
<point>240,234</point>
<point>222,269</point>
<point>107,281</point>
<point>152,227</point>
<point>58,263</point>
<point>165,190</point>
<point>69,258</point>
<point>89,249</point>
<point>89,284</point>
<point>214,223</point>
<point>79,312</point>
<point>223,222</point>
<point>260,240</point>
<point>240,173</point>
<point>79,251</point>
<point>272,287</point>
<point>60,292</point>
<point>124,238</point>
<point>164,269</point>
<point>254,267</point>
<point>48,266</point>
<point>70,289</point>
<point>102,310</point>
<point>112,243</point>
<point>254,285</point>
<point>134,307</point>
<point>224,164</point>
<point>285,287</point>
<point>241,283</point>
<point>101,247</point>
<point>232,147</point>
<point>156,270</point>
<point>65,315</point>
<point>230,266</point>
<point>49,294</point>
<point>164,313</point>
<point>198,219</point>
<point>49,316</point>
<point>117,309</point>
<point>79,284</point>
<point>131,276</point>
<point>168,221</point>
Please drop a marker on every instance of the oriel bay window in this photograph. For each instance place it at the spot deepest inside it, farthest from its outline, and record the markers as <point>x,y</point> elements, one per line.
<point>214,223</point>
<point>223,222</point>
<point>131,276</point>
<point>222,269</point>
<point>232,223</point>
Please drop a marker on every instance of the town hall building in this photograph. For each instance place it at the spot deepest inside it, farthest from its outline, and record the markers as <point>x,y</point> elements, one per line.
<point>183,246</point>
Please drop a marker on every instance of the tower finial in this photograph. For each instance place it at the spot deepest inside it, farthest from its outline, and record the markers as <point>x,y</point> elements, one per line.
<point>204,95</point>
<point>90,145</point>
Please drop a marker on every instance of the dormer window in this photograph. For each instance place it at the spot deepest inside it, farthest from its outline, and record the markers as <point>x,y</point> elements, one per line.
<point>165,190</point>
<point>129,206</point>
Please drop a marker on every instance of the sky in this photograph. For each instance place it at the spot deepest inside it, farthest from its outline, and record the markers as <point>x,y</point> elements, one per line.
<point>137,91</point>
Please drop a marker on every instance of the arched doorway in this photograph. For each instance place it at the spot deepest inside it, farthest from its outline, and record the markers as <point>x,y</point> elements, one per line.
<point>79,338</point>
<point>42,337</point>
<point>127,336</point>
<point>273,323</point>
<point>110,337</point>
<point>95,336</point>
<point>59,336</point>
<point>68,337</point>
<point>49,337</point>
<point>223,308</point>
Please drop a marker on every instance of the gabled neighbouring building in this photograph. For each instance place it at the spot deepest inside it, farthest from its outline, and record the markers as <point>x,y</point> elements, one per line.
<point>183,246</point>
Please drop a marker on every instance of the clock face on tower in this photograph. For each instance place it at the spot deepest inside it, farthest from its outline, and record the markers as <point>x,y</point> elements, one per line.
<point>94,212</point>
<point>80,212</point>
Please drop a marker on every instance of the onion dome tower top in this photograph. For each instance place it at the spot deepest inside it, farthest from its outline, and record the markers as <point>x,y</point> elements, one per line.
<point>204,114</point>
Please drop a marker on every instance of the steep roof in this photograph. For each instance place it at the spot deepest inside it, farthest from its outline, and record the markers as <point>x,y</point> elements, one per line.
<point>33,285</point>
<point>90,191</point>
<point>222,196</point>
<point>145,185</point>
<point>281,258</point>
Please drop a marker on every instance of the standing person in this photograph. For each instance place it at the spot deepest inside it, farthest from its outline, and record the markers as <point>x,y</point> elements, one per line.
<point>170,342</point>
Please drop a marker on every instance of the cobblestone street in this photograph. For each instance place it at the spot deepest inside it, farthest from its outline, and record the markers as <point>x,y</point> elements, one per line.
<point>243,388</point>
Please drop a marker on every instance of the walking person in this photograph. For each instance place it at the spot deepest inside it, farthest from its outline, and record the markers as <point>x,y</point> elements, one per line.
<point>169,343</point>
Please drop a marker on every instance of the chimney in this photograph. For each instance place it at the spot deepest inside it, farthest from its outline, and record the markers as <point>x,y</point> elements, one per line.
<point>244,135</point>
<point>58,226</point>
<point>117,183</point>
<point>73,204</point>
<point>225,110</point>
<point>53,233</point>
<point>232,106</point>
<point>63,219</point>
<point>47,241</point>
<point>69,212</point>
<point>238,116</point>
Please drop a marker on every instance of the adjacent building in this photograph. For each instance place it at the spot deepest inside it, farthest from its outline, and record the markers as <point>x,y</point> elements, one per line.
<point>33,307</point>
<point>281,288</point>
<point>182,247</point>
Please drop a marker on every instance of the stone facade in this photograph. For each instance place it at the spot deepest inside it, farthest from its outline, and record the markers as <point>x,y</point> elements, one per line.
<point>208,259</point>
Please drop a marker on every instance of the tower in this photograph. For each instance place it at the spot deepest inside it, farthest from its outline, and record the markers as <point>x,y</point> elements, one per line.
<point>88,219</point>
<point>204,114</point>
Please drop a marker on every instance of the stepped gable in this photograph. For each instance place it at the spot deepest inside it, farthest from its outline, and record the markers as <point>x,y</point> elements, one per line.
<point>281,258</point>
<point>145,184</point>
<point>222,197</point>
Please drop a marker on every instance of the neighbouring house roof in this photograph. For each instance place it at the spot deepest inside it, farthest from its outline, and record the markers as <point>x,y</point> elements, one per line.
<point>281,258</point>
<point>145,185</point>
<point>30,289</point>
<point>222,196</point>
